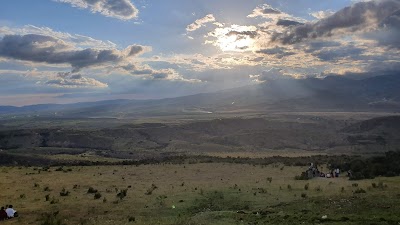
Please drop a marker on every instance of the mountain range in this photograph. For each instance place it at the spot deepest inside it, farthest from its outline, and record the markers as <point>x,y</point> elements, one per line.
<point>332,93</point>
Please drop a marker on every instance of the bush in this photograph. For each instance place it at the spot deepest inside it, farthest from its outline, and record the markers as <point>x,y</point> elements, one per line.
<point>289,187</point>
<point>303,176</point>
<point>122,194</point>
<point>92,190</point>
<point>131,219</point>
<point>64,193</point>
<point>51,219</point>
<point>46,188</point>
<point>54,201</point>
<point>97,195</point>
<point>306,187</point>
<point>151,189</point>
<point>304,195</point>
<point>359,191</point>
<point>218,201</point>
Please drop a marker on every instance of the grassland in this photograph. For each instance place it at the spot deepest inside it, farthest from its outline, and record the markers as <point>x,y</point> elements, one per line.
<point>203,193</point>
<point>197,179</point>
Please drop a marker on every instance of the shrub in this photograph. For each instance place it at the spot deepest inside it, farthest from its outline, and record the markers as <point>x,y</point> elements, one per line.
<point>46,188</point>
<point>354,185</point>
<point>54,201</point>
<point>303,176</point>
<point>51,219</point>
<point>318,188</point>
<point>92,190</point>
<point>218,201</point>
<point>22,196</point>
<point>131,219</point>
<point>47,197</point>
<point>359,191</point>
<point>381,185</point>
<point>306,187</point>
<point>269,179</point>
<point>289,187</point>
<point>64,193</point>
<point>151,189</point>
<point>97,195</point>
<point>304,195</point>
<point>122,194</point>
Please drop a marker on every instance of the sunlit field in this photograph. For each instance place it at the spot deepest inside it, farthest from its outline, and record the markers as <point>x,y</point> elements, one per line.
<point>194,194</point>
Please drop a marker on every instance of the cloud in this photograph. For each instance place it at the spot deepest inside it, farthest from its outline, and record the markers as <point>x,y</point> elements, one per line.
<point>362,16</point>
<point>278,52</point>
<point>264,10</point>
<point>77,40</point>
<point>161,74</point>
<point>71,80</point>
<point>268,75</point>
<point>120,9</point>
<point>51,50</point>
<point>233,38</point>
<point>322,14</point>
<point>287,23</point>
<point>389,34</point>
<point>200,22</point>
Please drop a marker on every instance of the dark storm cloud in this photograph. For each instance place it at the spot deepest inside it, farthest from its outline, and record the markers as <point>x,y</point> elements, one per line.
<point>358,17</point>
<point>39,48</point>
<point>390,33</point>
<point>287,23</point>
<point>120,9</point>
<point>46,49</point>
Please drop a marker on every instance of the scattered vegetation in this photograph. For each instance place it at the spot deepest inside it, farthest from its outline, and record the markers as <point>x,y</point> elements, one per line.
<point>64,193</point>
<point>97,196</point>
<point>51,219</point>
<point>122,194</point>
<point>151,189</point>
<point>359,191</point>
<point>91,190</point>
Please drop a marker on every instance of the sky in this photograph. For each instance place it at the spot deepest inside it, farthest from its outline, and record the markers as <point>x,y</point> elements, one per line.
<point>66,51</point>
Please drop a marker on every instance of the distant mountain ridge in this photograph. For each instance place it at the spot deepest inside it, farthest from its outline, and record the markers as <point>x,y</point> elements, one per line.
<point>333,93</point>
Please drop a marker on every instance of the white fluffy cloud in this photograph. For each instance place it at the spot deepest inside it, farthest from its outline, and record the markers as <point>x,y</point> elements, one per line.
<point>200,22</point>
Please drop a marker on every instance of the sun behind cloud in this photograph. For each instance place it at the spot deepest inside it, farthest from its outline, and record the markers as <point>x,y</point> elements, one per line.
<point>233,38</point>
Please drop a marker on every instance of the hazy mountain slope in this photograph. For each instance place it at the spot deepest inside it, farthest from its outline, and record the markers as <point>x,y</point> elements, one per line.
<point>332,93</point>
